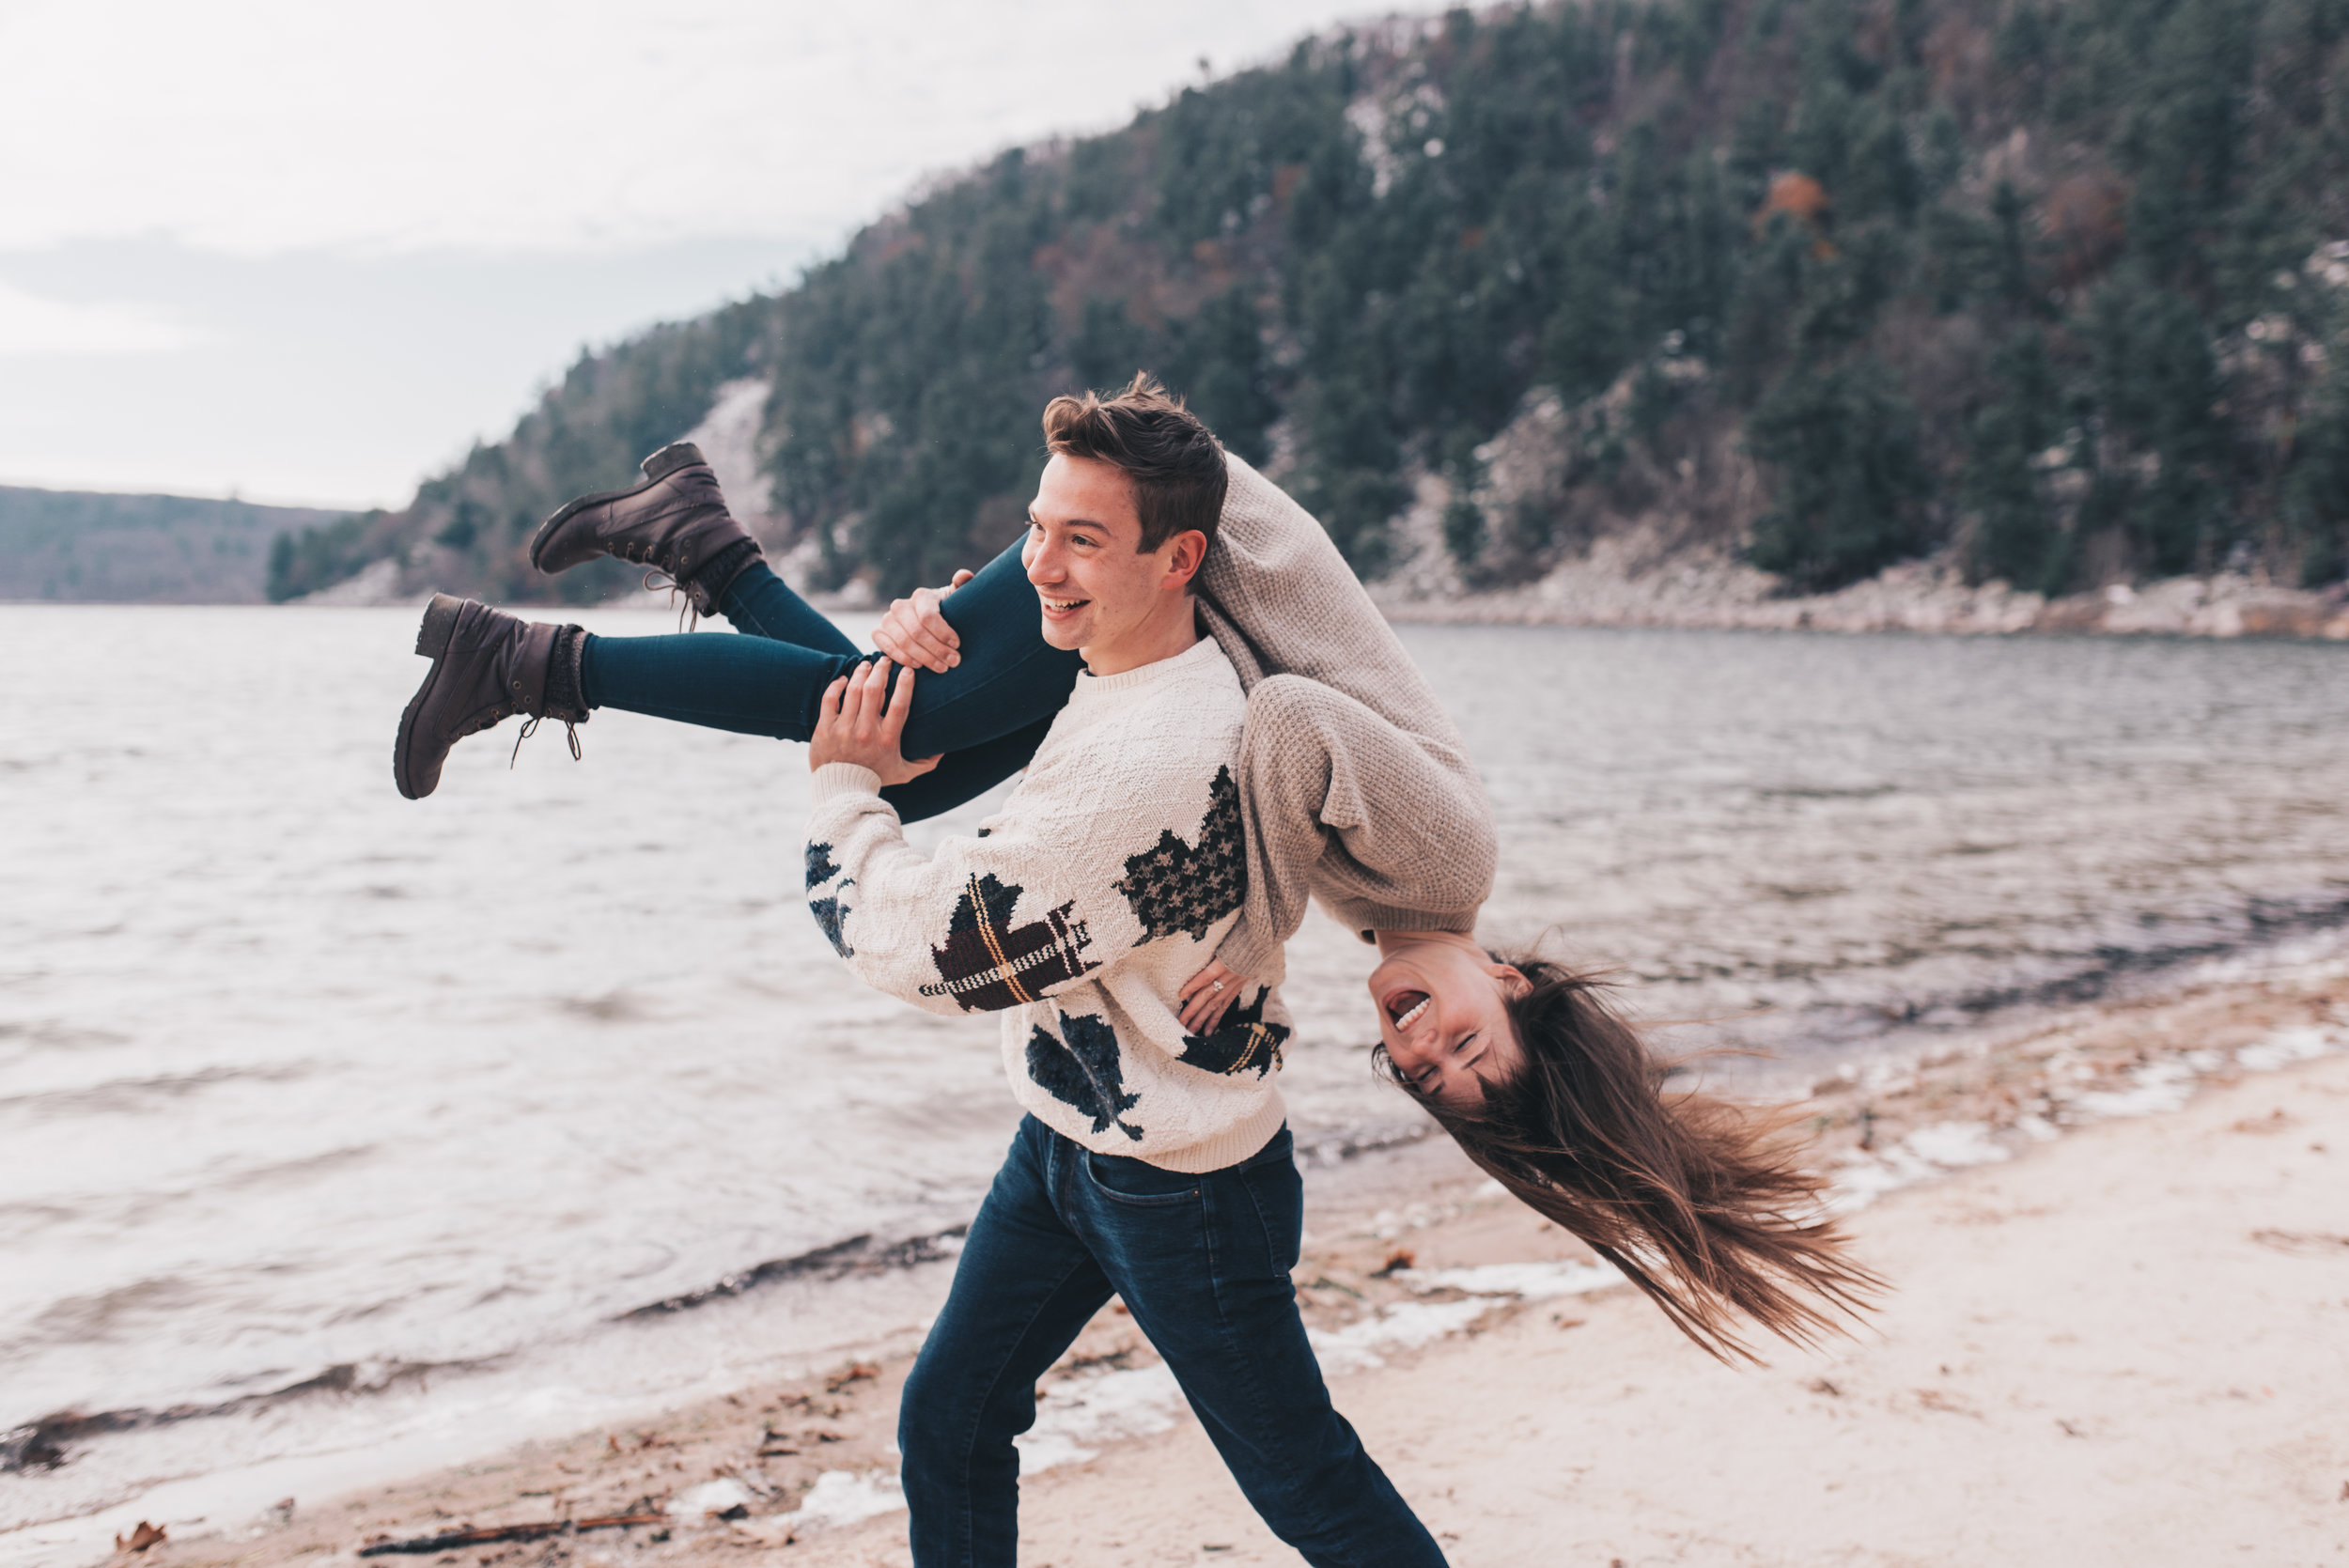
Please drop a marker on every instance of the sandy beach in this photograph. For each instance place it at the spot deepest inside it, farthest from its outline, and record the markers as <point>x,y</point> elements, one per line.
<point>2119,1240</point>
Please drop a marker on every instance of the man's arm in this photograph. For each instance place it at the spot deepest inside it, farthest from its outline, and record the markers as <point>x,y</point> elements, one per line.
<point>996,921</point>
<point>982,925</point>
<point>940,932</point>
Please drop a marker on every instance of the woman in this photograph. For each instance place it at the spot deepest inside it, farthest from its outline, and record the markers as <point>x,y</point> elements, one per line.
<point>1358,792</point>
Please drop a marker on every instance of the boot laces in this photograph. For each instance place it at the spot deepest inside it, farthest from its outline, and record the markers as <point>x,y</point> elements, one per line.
<point>530,727</point>
<point>689,618</point>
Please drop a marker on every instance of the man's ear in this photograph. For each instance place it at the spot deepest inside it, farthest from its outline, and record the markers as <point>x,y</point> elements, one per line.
<point>1185,552</point>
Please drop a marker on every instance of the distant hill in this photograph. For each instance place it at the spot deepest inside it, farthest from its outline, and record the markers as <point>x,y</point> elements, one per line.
<point>2055,290</point>
<point>87,546</point>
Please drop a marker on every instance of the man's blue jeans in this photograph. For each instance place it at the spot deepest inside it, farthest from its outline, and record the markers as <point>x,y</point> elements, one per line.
<point>1203,1264</point>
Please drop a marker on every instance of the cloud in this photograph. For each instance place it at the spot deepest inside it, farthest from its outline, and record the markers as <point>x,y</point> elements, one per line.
<point>31,325</point>
<point>259,127</point>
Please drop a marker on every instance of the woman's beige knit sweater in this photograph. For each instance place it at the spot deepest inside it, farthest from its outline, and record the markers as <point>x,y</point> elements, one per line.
<point>1357,787</point>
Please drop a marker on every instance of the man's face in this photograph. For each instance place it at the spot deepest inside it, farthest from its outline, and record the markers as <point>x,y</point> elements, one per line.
<point>1096,587</point>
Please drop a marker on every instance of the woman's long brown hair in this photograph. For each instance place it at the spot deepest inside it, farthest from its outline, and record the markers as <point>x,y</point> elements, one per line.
<point>1698,1201</point>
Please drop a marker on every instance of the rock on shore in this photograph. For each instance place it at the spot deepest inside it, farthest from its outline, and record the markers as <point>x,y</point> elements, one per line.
<point>1633,578</point>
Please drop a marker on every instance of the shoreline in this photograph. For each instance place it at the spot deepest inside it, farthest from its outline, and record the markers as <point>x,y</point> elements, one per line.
<point>1638,577</point>
<point>1418,1280</point>
<point>1923,597</point>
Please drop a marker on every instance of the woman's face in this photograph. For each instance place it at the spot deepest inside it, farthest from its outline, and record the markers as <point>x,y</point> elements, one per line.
<point>1442,1014</point>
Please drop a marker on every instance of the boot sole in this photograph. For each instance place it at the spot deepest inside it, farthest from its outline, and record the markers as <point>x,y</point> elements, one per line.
<point>677,455</point>
<point>432,640</point>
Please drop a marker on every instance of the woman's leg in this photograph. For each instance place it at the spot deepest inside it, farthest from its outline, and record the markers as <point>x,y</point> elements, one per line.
<point>987,714</point>
<point>760,604</point>
<point>1009,677</point>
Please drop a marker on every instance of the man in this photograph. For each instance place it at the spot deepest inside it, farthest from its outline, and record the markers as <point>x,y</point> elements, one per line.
<point>1153,1163</point>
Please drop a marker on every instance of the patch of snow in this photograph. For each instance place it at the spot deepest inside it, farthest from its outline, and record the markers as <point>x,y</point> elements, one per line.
<point>2283,1048</point>
<point>1954,1145</point>
<point>2154,1088</point>
<point>1862,1177</point>
<point>711,1497</point>
<point>1081,1414</point>
<point>1368,116</point>
<point>1528,1281</point>
<point>373,584</point>
<point>1359,1346</point>
<point>729,436</point>
<point>845,1497</point>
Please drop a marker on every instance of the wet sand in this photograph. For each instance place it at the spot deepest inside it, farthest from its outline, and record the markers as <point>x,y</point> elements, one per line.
<point>2120,1333</point>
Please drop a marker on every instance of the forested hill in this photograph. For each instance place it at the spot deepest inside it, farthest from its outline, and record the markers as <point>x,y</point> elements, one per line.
<point>96,546</point>
<point>2053,285</point>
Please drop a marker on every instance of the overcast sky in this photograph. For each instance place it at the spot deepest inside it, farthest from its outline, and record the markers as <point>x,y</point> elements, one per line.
<point>311,252</point>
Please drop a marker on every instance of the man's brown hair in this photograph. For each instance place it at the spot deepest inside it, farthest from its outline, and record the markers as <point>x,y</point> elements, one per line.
<point>1174,461</point>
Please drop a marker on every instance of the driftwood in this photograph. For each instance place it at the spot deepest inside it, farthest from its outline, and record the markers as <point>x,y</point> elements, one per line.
<point>537,1529</point>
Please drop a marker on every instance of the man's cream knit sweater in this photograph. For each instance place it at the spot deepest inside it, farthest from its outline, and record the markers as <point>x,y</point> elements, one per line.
<point>1356,787</point>
<point>1107,881</point>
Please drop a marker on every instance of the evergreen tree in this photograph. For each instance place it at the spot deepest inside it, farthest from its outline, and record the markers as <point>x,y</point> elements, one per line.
<point>2014,536</point>
<point>1844,442</point>
<point>2317,510</point>
<point>2157,384</point>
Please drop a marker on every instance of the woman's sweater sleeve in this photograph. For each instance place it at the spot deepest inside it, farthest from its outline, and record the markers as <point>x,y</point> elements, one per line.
<point>1339,720</point>
<point>983,925</point>
<point>1391,830</point>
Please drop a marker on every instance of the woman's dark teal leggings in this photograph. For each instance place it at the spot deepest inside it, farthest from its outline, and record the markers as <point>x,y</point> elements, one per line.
<point>987,714</point>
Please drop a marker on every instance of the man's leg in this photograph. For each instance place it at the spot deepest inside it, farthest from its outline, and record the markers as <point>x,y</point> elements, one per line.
<point>1024,1287</point>
<point>1203,1263</point>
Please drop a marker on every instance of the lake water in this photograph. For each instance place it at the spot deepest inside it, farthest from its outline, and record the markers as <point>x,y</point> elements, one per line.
<point>298,1080</point>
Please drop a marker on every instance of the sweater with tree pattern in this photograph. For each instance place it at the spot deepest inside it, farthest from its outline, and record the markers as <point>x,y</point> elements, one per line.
<point>1077,912</point>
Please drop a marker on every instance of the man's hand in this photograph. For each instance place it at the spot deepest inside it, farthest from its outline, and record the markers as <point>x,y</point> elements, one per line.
<point>1205,996</point>
<point>915,634</point>
<point>852,725</point>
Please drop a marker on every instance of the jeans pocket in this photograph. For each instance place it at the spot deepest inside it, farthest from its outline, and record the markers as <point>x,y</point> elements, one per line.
<point>1138,1182</point>
<point>1278,1194</point>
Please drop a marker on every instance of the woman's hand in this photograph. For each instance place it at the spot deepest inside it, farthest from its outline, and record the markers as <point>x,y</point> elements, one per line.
<point>854,725</point>
<point>916,635</point>
<point>1207,996</point>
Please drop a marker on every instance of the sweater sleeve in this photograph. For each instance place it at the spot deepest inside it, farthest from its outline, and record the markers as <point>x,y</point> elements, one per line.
<point>1280,599</point>
<point>1390,829</point>
<point>983,925</point>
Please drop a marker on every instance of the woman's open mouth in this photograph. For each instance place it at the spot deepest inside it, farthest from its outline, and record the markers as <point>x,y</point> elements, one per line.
<point>1406,1006</point>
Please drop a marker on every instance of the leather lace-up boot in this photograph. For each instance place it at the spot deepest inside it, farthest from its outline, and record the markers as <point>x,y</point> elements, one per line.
<point>486,666</point>
<point>676,521</point>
